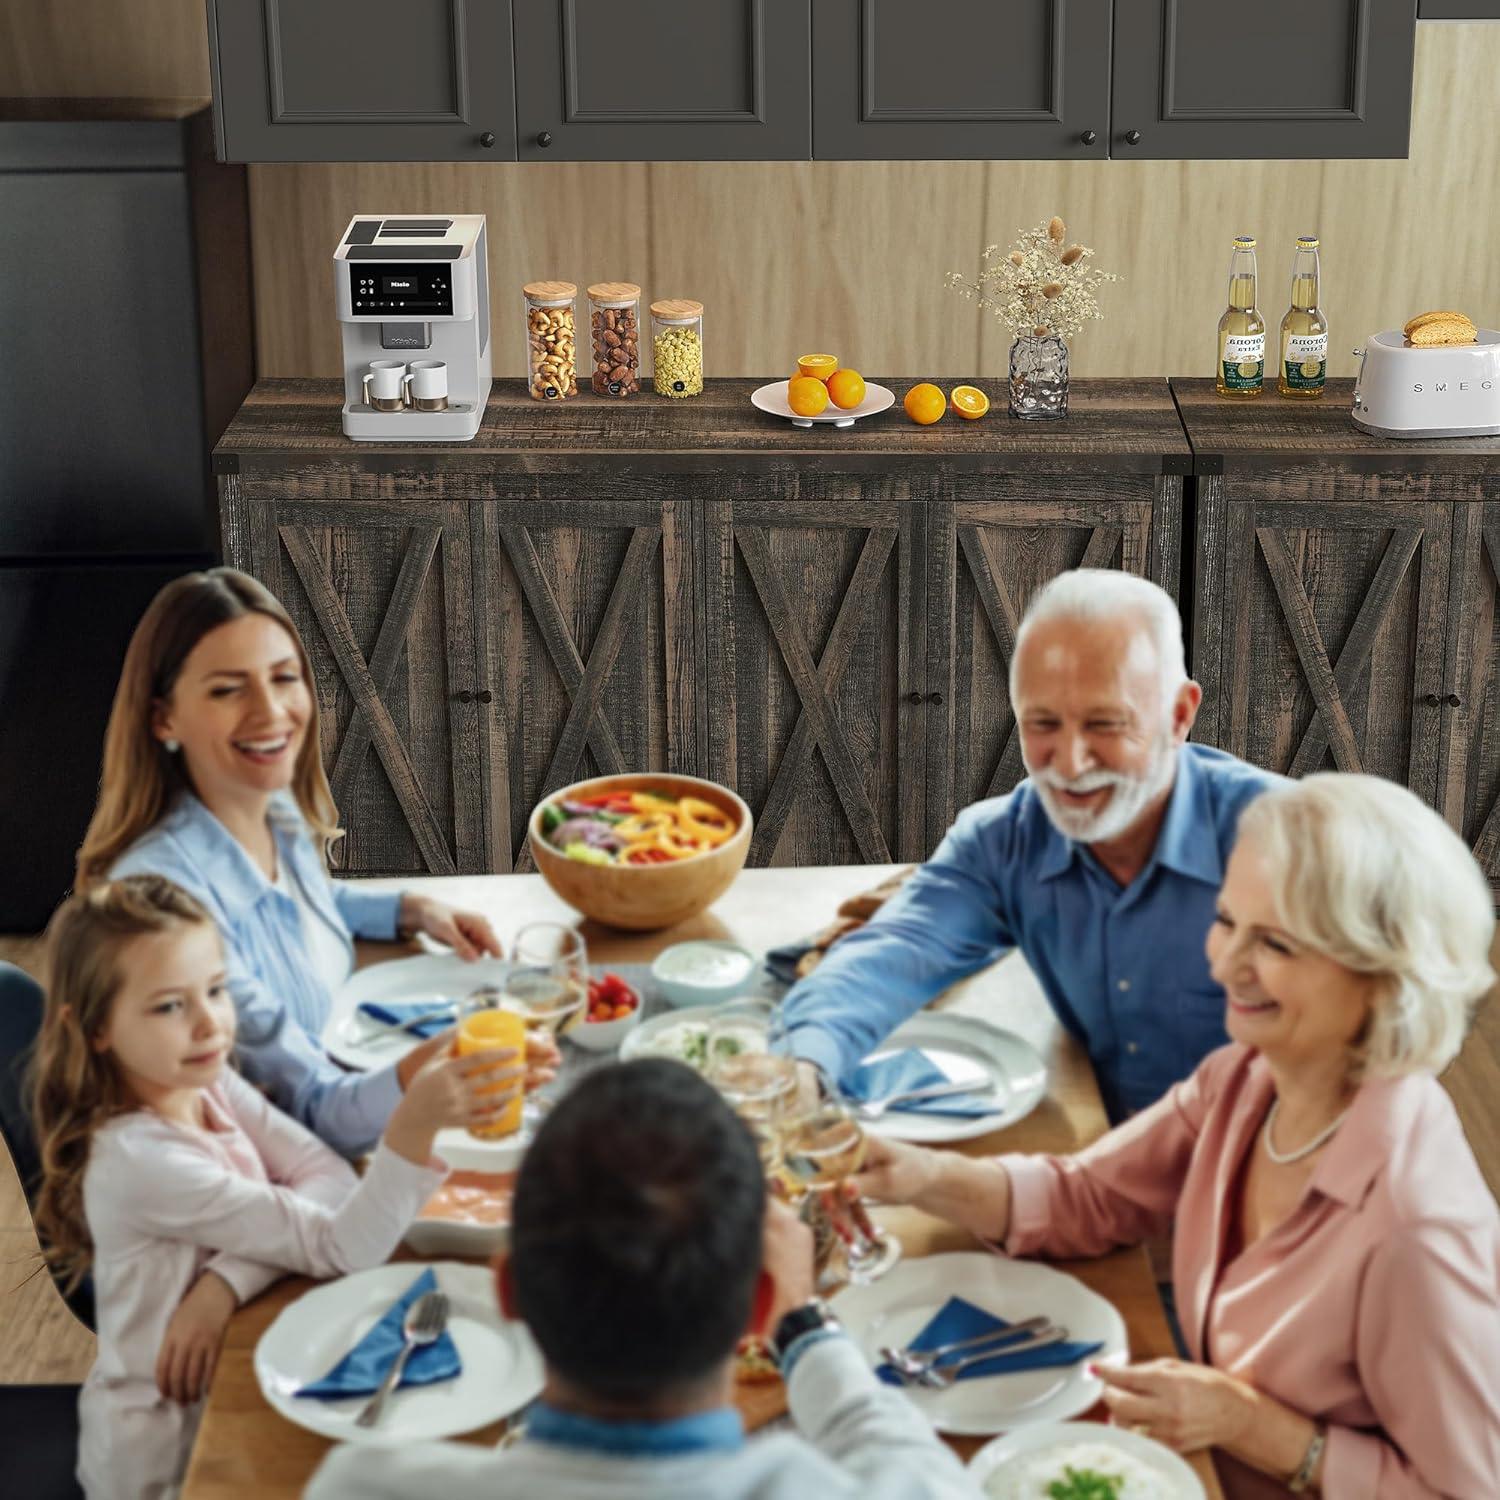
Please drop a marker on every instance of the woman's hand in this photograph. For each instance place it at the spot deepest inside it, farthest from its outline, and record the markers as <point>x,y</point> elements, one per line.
<point>894,1172</point>
<point>1184,1405</point>
<point>190,1348</point>
<point>451,1091</point>
<point>468,933</point>
<point>543,1059</point>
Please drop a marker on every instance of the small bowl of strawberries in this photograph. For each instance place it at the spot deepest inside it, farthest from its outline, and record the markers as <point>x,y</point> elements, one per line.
<point>613,1011</point>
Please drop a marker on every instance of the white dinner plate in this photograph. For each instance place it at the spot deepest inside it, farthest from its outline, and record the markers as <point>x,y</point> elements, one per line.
<point>895,1309</point>
<point>962,1046</point>
<point>502,1367</point>
<point>1173,1479</point>
<point>772,398</point>
<point>359,1043</point>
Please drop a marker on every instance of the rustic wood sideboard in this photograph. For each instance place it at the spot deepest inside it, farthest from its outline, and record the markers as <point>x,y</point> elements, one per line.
<point>822,619</point>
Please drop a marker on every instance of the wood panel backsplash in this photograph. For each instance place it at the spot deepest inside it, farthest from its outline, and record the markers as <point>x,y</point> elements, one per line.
<point>849,256</point>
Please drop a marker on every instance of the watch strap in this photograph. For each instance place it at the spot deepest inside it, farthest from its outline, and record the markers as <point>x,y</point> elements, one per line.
<point>1299,1481</point>
<point>810,1316</point>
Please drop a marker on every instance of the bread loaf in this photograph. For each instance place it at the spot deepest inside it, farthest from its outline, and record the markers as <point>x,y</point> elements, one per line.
<point>1431,330</point>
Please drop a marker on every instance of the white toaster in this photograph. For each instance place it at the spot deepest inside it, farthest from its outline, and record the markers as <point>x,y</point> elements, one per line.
<point>1401,392</point>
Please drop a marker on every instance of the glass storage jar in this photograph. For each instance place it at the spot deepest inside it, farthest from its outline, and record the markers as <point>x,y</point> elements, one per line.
<point>677,347</point>
<point>551,358</point>
<point>615,324</point>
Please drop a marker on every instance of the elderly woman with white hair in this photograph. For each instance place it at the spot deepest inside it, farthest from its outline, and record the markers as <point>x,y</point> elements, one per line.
<point>1337,1252</point>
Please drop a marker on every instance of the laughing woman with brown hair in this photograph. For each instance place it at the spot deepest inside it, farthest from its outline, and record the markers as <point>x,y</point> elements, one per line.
<point>212,777</point>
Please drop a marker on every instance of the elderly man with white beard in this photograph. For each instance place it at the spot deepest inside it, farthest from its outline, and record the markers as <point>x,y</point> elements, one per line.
<point>1102,867</point>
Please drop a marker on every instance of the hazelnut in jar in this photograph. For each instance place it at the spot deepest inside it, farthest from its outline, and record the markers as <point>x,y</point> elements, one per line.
<point>677,347</point>
<point>551,358</point>
<point>615,323</point>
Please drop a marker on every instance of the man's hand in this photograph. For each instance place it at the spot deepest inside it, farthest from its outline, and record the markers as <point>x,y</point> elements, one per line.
<point>787,1257</point>
<point>190,1349</point>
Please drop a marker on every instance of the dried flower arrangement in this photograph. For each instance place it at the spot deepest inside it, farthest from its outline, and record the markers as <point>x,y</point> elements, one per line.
<point>1040,287</point>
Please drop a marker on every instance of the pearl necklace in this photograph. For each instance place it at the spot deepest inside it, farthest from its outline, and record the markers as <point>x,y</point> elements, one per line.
<point>1283,1160</point>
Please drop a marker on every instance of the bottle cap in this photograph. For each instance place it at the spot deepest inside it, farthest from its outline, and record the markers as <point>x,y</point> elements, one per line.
<point>1307,241</point>
<point>1244,242</point>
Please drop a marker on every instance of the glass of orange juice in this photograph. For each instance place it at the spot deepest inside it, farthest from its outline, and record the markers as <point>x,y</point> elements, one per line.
<point>486,1026</point>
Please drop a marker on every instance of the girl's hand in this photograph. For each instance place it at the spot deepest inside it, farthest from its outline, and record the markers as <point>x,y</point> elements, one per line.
<point>190,1349</point>
<point>894,1172</point>
<point>1184,1405</point>
<point>543,1059</point>
<point>468,933</point>
<point>453,1091</point>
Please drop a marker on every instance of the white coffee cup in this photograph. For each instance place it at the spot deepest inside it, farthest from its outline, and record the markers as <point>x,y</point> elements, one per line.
<point>427,383</point>
<point>384,384</point>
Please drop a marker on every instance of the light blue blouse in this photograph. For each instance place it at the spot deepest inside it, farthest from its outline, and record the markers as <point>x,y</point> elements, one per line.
<point>281,1003</point>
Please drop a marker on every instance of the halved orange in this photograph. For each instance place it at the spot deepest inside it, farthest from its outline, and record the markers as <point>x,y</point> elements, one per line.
<point>846,388</point>
<point>806,396</point>
<point>969,401</point>
<point>925,404</point>
<point>819,366</point>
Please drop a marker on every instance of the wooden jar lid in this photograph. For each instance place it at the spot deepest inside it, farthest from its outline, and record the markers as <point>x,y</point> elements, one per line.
<point>614,291</point>
<point>550,291</point>
<point>677,309</point>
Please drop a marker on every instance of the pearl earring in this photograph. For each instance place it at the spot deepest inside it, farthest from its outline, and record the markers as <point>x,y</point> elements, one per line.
<point>171,746</point>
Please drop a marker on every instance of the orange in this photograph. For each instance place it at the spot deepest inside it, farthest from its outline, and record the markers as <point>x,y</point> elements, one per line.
<point>925,404</point>
<point>806,396</point>
<point>819,366</point>
<point>969,401</point>
<point>846,388</point>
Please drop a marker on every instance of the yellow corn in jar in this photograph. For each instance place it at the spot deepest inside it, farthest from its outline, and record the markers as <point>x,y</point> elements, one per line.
<point>677,347</point>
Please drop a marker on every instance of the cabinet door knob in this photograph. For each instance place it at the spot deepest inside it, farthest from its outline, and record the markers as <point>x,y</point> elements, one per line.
<point>1432,700</point>
<point>464,696</point>
<point>544,138</point>
<point>1453,701</point>
<point>487,139</point>
<point>1132,137</point>
<point>913,697</point>
<point>934,697</point>
<point>486,696</point>
<point>1089,137</point>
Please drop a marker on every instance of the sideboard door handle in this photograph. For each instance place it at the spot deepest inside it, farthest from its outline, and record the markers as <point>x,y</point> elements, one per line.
<point>1453,701</point>
<point>934,697</point>
<point>544,138</point>
<point>1132,137</point>
<point>913,697</point>
<point>1089,137</point>
<point>487,139</point>
<point>486,696</point>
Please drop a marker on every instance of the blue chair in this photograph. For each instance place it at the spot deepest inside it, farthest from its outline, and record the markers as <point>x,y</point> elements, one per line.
<point>20,1019</point>
<point>38,1423</point>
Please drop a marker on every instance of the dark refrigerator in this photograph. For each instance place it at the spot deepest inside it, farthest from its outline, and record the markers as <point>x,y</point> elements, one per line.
<point>125,347</point>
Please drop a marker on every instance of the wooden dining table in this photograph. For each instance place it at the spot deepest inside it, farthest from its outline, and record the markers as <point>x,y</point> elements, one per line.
<point>244,1447</point>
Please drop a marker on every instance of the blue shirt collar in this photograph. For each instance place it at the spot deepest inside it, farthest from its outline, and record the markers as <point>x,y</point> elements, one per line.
<point>719,1431</point>
<point>1186,843</point>
<point>238,883</point>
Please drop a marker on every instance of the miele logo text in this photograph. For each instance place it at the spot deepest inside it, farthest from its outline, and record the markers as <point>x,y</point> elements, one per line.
<point>398,342</point>
<point>1440,386</point>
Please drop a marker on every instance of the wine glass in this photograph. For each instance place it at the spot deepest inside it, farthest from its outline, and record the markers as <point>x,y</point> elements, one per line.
<point>548,980</point>
<point>756,1085</point>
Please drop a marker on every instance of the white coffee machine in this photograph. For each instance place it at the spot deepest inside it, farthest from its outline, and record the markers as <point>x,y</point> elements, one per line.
<point>413,298</point>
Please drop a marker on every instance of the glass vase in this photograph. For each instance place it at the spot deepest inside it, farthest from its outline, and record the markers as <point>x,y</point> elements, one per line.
<point>1038,377</point>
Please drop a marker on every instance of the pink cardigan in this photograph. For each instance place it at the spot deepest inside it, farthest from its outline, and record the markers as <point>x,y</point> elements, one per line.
<point>1375,1307</point>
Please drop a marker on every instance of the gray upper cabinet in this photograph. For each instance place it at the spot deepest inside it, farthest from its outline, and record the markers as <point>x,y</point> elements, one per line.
<point>362,80</point>
<point>951,79</point>
<point>664,81</point>
<point>1279,78</point>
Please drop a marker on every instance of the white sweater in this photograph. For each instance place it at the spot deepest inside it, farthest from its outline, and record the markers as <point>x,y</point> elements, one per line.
<point>250,1198</point>
<point>860,1439</point>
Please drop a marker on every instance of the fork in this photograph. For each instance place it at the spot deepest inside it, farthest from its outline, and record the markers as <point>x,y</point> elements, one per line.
<point>424,1323</point>
<point>939,1378</point>
<point>910,1363</point>
<point>873,1109</point>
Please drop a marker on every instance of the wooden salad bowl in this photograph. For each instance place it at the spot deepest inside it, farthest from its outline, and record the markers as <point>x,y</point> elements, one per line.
<point>644,898</point>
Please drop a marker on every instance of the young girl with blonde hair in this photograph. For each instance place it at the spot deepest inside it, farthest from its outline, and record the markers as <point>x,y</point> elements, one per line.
<point>182,1188</point>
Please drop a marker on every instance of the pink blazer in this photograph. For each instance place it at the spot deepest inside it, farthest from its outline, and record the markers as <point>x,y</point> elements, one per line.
<point>1375,1307</point>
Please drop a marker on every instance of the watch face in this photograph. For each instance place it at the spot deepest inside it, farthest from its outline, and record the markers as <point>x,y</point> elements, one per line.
<point>800,1320</point>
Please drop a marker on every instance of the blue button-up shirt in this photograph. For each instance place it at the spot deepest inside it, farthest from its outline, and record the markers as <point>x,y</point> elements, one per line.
<point>281,1004</point>
<point>1124,968</point>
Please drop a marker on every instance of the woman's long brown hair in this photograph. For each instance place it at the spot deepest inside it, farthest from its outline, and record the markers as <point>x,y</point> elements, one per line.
<point>140,778</point>
<point>74,1088</point>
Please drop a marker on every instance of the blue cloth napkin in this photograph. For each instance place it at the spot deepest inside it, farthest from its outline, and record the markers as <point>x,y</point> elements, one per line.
<point>395,1012</point>
<point>361,1370</point>
<point>913,1069</point>
<point>781,963</point>
<point>957,1319</point>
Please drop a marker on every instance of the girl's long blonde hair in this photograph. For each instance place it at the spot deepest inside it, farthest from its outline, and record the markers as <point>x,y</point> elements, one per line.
<point>74,1088</point>
<point>140,778</point>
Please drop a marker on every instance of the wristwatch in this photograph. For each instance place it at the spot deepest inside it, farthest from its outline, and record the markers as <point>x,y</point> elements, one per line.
<point>1299,1481</point>
<point>805,1319</point>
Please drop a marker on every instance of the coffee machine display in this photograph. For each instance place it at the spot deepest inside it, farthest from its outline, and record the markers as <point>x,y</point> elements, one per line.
<point>413,298</point>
